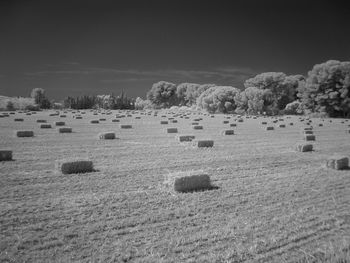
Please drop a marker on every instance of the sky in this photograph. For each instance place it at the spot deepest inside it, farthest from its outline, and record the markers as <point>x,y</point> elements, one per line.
<point>82,47</point>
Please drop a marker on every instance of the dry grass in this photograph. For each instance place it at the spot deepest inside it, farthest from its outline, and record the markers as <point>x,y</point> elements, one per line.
<point>273,204</point>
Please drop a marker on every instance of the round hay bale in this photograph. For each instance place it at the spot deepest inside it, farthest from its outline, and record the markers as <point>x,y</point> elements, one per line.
<point>126,126</point>
<point>65,130</point>
<point>338,162</point>
<point>94,121</point>
<point>24,133</point>
<point>106,136</point>
<point>73,167</point>
<point>163,122</point>
<point>228,132</point>
<point>269,128</point>
<point>60,123</point>
<point>197,127</point>
<point>5,155</point>
<point>45,126</point>
<point>309,137</point>
<point>18,119</point>
<point>41,121</point>
<point>185,138</point>
<point>203,143</point>
<point>171,130</point>
<point>191,183</point>
<point>304,147</point>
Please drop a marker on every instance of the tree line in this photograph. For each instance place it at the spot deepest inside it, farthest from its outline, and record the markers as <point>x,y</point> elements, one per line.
<point>324,91</point>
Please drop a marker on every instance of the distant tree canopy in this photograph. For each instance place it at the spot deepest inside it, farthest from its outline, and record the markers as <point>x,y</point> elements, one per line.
<point>100,101</point>
<point>218,99</point>
<point>279,89</point>
<point>38,94</point>
<point>327,89</point>
<point>163,94</point>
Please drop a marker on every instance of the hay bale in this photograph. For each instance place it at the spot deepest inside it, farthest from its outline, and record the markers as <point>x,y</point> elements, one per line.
<point>307,129</point>
<point>203,143</point>
<point>115,120</point>
<point>240,120</point>
<point>264,122</point>
<point>233,125</point>
<point>269,128</point>
<point>65,130</point>
<point>106,135</point>
<point>78,117</point>
<point>309,137</point>
<point>45,126</point>
<point>185,138</point>
<point>320,125</point>
<point>5,155</point>
<point>125,126</point>
<point>24,133</point>
<point>308,132</point>
<point>60,123</point>
<point>194,123</point>
<point>94,121</point>
<point>197,127</point>
<point>63,116</point>
<point>171,130</point>
<point>18,119</point>
<point>291,123</point>
<point>173,121</point>
<point>41,121</point>
<point>338,162</point>
<point>163,122</point>
<point>191,183</point>
<point>102,119</point>
<point>304,147</point>
<point>282,126</point>
<point>225,122</point>
<point>228,132</point>
<point>73,167</point>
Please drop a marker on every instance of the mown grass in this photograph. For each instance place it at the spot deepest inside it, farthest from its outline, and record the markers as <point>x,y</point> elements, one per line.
<point>272,204</point>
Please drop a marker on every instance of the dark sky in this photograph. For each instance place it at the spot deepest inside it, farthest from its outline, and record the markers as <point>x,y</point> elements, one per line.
<point>81,47</point>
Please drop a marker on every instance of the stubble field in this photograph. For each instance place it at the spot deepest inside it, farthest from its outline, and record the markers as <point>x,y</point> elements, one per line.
<point>271,204</point>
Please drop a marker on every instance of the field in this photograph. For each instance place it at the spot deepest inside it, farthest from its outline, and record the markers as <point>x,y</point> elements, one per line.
<point>271,202</point>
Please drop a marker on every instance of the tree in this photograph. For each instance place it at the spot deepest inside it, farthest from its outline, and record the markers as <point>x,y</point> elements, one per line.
<point>163,94</point>
<point>327,89</point>
<point>218,99</point>
<point>251,100</point>
<point>10,106</point>
<point>280,89</point>
<point>38,94</point>
<point>194,91</point>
